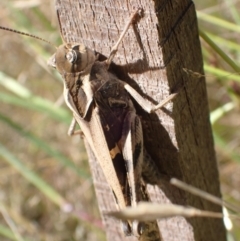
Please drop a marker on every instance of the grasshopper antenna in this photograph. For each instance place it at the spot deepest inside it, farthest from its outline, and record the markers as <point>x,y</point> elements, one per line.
<point>60,26</point>
<point>26,34</point>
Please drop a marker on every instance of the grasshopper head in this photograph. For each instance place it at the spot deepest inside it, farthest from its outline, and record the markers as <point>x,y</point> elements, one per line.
<point>72,58</point>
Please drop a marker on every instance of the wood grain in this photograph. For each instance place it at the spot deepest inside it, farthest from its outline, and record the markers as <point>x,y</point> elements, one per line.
<point>152,59</point>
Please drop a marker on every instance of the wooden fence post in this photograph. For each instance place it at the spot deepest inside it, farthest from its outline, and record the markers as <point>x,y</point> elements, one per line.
<point>153,59</point>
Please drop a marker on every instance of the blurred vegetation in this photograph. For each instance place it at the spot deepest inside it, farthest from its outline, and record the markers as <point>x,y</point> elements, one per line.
<point>219,30</point>
<point>43,171</point>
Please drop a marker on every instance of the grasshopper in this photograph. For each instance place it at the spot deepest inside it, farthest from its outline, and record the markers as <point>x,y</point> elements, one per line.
<point>103,108</point>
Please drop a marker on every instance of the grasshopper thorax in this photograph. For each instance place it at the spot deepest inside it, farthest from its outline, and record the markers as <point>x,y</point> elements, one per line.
<point>73,58</point>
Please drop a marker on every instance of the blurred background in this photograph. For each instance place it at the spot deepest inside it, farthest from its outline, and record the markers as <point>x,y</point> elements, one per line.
<point>42,170</point>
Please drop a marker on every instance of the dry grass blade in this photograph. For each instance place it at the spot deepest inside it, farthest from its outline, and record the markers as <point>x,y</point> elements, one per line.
<point>203,194</point>
<point>146,211</point>
<point>10,223</point>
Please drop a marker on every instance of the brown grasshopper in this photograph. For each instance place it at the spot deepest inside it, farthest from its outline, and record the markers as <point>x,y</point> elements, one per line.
<point>102,106</point>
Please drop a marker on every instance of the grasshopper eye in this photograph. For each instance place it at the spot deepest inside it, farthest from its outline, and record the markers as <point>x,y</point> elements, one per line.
<point>71,56</point>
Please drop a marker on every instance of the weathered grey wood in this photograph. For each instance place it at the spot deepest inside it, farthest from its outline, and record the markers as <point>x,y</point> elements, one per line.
<point>152,58</point>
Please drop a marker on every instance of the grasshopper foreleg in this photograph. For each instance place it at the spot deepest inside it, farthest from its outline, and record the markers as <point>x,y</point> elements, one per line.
<point>71,129</point>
